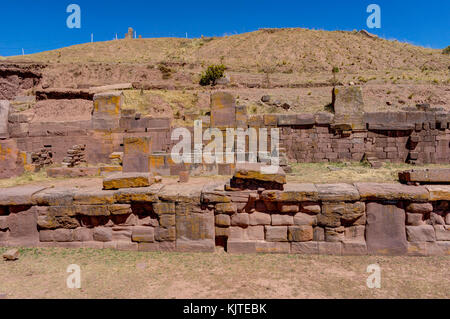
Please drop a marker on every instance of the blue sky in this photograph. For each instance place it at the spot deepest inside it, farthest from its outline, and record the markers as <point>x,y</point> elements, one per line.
<point>39,25</point>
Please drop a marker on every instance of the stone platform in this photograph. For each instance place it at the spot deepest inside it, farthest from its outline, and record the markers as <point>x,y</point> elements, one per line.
<point>338,219</point>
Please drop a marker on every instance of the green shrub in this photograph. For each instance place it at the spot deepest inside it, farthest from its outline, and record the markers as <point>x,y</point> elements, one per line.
<point>212,74</point>
<point>446,50</point>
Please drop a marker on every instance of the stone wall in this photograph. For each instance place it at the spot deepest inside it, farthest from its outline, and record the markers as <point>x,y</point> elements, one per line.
<point>339,219</point>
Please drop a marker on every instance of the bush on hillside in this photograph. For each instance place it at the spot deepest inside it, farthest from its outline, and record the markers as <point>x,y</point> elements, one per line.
<point>446,50</point>
<point>212,74</point>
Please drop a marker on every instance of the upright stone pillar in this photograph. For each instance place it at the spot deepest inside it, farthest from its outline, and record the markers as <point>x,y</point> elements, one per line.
<point>107,110</point>
<point>4,114</point>
<point>136,156</point>
<point>349,109</point>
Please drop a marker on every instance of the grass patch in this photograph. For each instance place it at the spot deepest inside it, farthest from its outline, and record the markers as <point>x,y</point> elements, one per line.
<point>41,273</point>
<point>349,172</point>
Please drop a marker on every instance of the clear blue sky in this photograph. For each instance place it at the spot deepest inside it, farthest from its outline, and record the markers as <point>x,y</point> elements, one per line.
<point>40,25</point>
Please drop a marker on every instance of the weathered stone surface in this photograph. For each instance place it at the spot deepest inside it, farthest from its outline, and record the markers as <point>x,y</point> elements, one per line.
<point>309,208</point>
<point>355,233</point>
<point>143,234</point>
<point>92,210</point>
<point>61,196</point>
<point>419,208</point>
<point>11,255</point>
<point>436,219</point>
<point>195,226</point>
<point>330,248</point>
<point>242,219</point>
<point>420,233</point>
<point>23,227</point>
<point>375,191</point>
<point>319,234</point>
<point>257,218</point>
<point>138,195</point>
<point>162,208</point>
<point>307,248</point>
<point>276,233</point>
<point>385,230</point>
<point>223,110</point>
<point>119,209</point>
<point>93,197</point>
<point>282,220</point>
<point>354,248</point>
<point>226,208</point>
<point>53,222</point>
<point>305,219</point>
<point>128,180</point>
<point>102,234</point>
<point>195,246</point>
<point>292,193</point>
<point>335,214</point>
<point>337,192</point>
<point>442,232</point>
<point>424,176</point>
<point>253,172</point>
<point>11,159</point>
<point>334,234</point>
<point>238,233</point>
<point>286,208</point>
<point>349,107</point>
<point>20,195</point>
<point>255,232</point>
<point>167,220</point>
<point>273,247</point>
<point>223,220</point>
<point>46,236</point>
<point>222,232</point>
<point>4,115</point>
<point>63,235</point>
<point>165,234</point>
<point>300,233</point>
<point>82,234</point>
<point>439,192</point>
<point>241,247</point>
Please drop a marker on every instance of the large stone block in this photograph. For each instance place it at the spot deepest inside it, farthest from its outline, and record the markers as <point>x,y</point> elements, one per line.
<point>335,214</point>
<point>442,232</point>
<point>4,115</point>
<point>136,154</point>
<point>349,108</point>
<point>11,160</point>
<point>273,247</point>
<point>420,233</point>
<point>282,220</point>
<point>258,218</point>
<point>252,176</point>
<point>425,176</point>
<point>292,193</point>
<point>439,192</point>
<point>276,233</point>
<point>241,247</point>
<point>138,195</point>
<point>223,110</point>
<point>107,110</point>
<point>300,233</point>
<point>385,230</point>
<point>23,227</point>
<point>195,226</point>
<point>196,246</point>
<point>143,234</point>
<point>128,180</point>
<point>307,248</point>
<point>93,197</point>
<point>337,192</point>
<point>18,196</point>
<point>376,191</point>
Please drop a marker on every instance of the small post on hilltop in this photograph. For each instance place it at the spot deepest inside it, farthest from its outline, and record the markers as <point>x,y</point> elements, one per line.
<point>23,51</point>
<point>92,37</point>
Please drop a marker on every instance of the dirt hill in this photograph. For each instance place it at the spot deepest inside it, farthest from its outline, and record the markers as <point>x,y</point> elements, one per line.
<point>292,65</point>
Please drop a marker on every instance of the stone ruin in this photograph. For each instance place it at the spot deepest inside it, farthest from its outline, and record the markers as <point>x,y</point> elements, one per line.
<point>252,213</point>
<point>76,156</point>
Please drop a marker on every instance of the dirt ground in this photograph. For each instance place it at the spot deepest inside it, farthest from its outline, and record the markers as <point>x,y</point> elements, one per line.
<point>42,273</point>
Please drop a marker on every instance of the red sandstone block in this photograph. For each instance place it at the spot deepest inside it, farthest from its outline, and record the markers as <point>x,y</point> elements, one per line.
<point>311,247</point>
<point>273,247</point>
<point>330,248</point>
<point>241,247</point>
